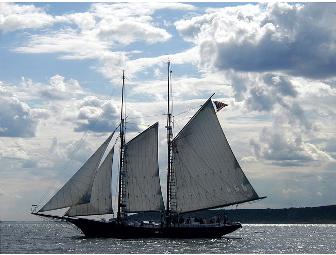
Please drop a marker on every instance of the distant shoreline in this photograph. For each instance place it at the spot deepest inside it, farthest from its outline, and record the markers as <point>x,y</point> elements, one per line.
<point>303,215</point>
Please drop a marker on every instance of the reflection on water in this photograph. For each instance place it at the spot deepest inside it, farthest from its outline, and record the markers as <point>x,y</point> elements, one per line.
<point>57,237</point>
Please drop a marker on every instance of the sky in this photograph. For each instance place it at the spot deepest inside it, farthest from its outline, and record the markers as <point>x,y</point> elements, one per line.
<point>272,63</point>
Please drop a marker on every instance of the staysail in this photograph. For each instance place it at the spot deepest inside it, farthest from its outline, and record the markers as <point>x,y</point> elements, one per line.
<point>78,189</point>
<point>142,172</point>
<point>101,197</point>
<point>207,173</point>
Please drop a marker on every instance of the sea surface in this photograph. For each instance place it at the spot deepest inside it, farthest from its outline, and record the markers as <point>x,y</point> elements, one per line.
<point>59,237</point>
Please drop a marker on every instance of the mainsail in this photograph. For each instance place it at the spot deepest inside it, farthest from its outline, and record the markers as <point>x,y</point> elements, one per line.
<point>101,198</point>
<point>142,172</point>
<point>78,189</point>
<point>207,173</point>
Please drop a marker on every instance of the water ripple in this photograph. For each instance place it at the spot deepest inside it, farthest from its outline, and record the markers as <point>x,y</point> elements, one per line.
<point>56,237</point>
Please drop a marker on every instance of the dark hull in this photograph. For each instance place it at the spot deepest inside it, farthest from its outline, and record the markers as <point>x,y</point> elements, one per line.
<point>114,229</point>
<point>91,228</point>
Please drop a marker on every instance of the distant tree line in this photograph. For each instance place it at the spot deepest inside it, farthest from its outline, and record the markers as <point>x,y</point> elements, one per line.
<point>317,215</point>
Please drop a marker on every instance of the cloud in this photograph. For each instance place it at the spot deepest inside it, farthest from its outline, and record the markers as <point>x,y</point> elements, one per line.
<point>100,115</point>
<point>137,10</point>
<point>293,38</point>
<point>114,30</point>
<point>59,88</point>
<point>102,31</point>
<point>70,43</point>
<point>295,136</point>
<point>97,115</point>
<point>93,34</point>
<point>58,93</point>
<point>15,151</point>
<point>277,90</point>
<point>136,65</point>
<point>281,149</point>
<point>285,146</point>
<point>17,17</point>
<point>18,119</point>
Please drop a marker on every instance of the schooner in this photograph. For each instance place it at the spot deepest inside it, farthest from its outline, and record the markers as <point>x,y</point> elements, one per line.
<point>203,173</point>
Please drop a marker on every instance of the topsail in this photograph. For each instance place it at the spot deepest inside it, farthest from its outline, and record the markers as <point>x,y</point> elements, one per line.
<point>78,189</point>
<point>207,173</point>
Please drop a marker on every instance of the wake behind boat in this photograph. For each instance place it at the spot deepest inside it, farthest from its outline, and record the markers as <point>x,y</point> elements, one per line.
<point>203,173</point>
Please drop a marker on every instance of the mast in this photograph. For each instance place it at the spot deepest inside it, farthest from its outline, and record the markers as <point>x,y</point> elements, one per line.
<point>169,153</point>
<point>121,163</point>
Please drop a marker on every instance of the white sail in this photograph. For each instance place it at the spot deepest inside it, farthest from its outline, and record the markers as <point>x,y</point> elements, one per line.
<point>78,189</point>
<point>207,172</point>
<point>101,197</point>
<point>142,172</point>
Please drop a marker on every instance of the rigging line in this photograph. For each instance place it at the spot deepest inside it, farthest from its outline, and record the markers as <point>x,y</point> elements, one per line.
<point>189,109</point>
<point>146,116</point>
<point>160,114</point>
<point>134,123</point>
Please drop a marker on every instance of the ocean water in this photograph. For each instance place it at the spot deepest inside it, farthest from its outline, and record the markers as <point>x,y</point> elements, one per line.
<point>59,237</point>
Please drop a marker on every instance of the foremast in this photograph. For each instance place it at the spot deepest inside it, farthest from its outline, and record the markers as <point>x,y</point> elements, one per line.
<point>171,192</point>
<point>122,182</point>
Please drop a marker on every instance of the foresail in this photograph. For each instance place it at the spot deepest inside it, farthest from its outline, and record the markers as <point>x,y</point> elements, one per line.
<point>78,189</point>
<point>101,198</point>
<point>207,172</point>
<point>142,172</point>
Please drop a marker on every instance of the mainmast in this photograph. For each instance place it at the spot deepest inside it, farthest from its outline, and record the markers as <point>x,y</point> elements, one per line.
<point>122,191</point>
<point>170,174</point>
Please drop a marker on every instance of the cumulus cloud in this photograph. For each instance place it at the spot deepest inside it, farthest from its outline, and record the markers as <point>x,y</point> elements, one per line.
<point>285,144</point>
<point>59,88</point>
<point>270,89</point>
<point>23,16</point>
<point>293,38</point>
<point>18,119</point>
<point>98,115</point>
<point>293,138</point>
<point>285,149</point>
<point>101,115</point>
<point>280,149</point>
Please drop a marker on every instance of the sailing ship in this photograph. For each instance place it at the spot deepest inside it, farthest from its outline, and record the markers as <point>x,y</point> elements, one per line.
<point>203,173</point>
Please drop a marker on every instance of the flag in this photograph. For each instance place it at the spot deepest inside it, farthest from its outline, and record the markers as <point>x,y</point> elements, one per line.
<point>219,105</point>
